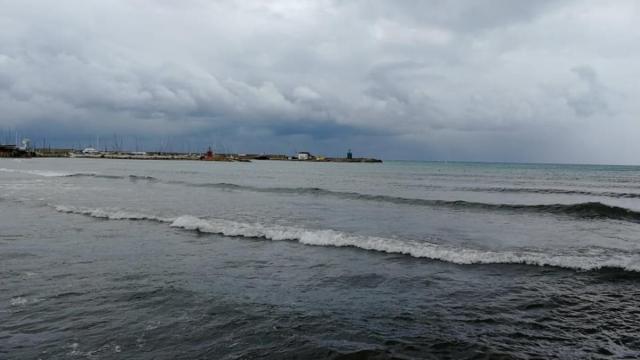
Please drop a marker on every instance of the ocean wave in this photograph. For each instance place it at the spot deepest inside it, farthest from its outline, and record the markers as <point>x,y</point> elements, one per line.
<point>588,210</point>
<point>111,213</point>
<point>333,238</point>
<point>114,177</point>
<point>421,249</point>
<point>554,191</point>
<point>46,173</point>
<point>95,175</point>
<point>142,177</point>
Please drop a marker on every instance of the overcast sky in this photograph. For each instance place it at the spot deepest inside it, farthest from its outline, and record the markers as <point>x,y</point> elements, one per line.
<point>491,80</point>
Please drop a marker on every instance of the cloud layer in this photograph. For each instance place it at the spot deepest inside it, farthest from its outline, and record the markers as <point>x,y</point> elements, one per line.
<point>450,80</point>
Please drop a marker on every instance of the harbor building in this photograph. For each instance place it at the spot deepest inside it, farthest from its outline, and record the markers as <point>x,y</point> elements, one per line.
<point>303,155</point>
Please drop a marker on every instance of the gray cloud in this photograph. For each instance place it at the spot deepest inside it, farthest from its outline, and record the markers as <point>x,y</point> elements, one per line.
<point>459,15</point>
<point>491,80</point>
<point>590,100</point>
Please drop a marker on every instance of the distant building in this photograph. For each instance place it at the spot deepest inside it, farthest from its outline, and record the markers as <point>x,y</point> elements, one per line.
<point>26,145</point>
<point>303,155</point>
<point>349,154</point>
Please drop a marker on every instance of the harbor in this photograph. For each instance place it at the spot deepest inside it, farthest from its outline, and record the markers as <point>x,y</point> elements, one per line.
<point>25,150</point>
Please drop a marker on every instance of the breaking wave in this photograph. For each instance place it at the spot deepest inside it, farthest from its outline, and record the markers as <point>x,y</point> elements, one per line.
<point>48,173</point>
<point>332,238</point>
<point>110,214</point>
<point>119,177</point>
<point>45,173</point>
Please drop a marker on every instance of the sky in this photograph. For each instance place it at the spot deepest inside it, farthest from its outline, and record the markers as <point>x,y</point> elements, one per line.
<point>491,80</point>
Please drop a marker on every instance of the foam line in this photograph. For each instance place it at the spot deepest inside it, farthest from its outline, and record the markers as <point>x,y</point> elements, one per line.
<point>332,238</point>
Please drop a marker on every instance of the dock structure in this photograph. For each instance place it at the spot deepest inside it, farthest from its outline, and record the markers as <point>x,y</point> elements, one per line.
<point>12,151</point>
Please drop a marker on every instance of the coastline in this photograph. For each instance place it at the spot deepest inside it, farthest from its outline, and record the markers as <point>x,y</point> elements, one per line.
<point>196,157</point>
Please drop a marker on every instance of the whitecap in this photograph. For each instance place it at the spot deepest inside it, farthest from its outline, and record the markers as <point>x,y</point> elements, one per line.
<point>332,238</point>
<point>418,249</point>
<point>18,301</point>
<point>110,213</point>
<point>45,173</point>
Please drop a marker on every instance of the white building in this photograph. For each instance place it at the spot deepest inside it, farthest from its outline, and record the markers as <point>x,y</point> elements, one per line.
<point>303,155</point>
<point>26,145</point>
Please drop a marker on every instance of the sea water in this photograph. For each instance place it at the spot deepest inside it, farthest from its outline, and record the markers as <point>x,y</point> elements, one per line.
<point>275,259</point>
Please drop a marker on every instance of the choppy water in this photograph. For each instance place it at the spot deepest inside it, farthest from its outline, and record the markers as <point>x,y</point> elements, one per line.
<point>160,259</point>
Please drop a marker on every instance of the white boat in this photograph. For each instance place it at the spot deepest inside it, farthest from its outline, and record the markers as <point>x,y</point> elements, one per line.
<point>89,151</point>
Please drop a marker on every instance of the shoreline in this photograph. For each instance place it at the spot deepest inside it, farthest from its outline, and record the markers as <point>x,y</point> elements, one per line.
<point>195,157</point>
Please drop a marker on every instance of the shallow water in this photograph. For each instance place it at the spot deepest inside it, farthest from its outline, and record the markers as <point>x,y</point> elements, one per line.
<point>161,259</point>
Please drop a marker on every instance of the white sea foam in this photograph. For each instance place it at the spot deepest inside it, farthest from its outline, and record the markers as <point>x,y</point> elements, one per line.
<point>18,301</point>
<point>333,238</point>
<point>46,173</point>
<point>421,249</point>
<point>111,214</point>
<point>74,349</point>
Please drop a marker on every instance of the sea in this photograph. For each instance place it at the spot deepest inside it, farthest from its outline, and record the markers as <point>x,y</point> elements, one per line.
<point>146,259</point>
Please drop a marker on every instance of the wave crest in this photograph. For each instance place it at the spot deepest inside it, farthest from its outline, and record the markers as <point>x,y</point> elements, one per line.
<point>110,214</point>
<point>45,173</point>
<point>418,249</point>
<point>333,238</point>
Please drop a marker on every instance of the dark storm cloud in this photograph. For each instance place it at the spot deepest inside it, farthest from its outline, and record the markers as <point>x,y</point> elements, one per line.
<point>490,80</point>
